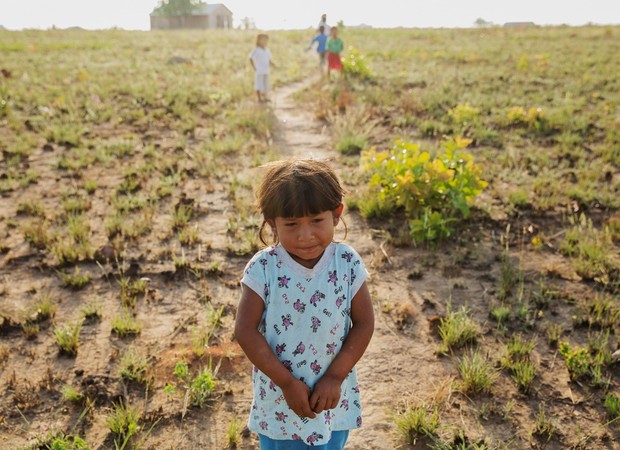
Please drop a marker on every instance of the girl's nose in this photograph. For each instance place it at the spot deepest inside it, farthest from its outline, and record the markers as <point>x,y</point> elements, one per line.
<point>305,233</point>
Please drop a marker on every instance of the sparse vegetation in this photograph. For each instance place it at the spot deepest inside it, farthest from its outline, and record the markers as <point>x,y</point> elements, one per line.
<point>115,147</point>
<point>133,365</point>
<point>71,394</point>
<point>76,280</point>
<point>456,330</point>
<point>612,405</point>
<point>123,422</point>
<point>124,324</point>
<point>477,373</point>
<point>68,337</point>
<point>543,425</point>
<point>233,432</point>
<point>415,422</point>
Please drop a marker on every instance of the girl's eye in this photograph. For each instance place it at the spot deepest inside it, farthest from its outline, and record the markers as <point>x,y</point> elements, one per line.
<point>290,224</point>
<point>317,220</point>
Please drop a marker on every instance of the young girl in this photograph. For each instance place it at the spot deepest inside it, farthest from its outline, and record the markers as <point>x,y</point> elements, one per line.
<point>305,316</point>
<point>334,49</point>
<point>260,59</point>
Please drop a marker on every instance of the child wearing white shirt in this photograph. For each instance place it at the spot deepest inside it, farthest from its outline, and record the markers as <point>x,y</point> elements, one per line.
<point>260,58</point>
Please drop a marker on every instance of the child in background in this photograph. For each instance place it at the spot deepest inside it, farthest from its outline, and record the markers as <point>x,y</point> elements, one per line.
<point>305,316</point>
<point>321,39</point>
<point>334,49</point>
<point>260,58</point>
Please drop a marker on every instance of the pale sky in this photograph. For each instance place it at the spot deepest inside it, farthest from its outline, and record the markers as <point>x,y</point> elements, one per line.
<point>295,14</point>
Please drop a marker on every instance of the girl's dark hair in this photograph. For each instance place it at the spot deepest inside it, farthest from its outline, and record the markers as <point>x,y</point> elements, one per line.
<point>296,189</point>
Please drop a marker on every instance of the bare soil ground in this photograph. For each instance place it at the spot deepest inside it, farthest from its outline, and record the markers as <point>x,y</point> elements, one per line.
<point>411,288</point>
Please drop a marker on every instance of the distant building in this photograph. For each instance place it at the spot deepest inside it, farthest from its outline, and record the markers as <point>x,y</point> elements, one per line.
<point>208,16</point>
<point>519,25</point>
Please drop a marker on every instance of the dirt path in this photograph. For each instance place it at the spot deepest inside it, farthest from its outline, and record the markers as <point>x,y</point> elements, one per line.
<point>298,133</point>
<point>390,369</point>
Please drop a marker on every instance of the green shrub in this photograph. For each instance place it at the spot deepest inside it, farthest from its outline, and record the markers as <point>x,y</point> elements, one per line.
<point>432,190</point>
<point>354,65</point>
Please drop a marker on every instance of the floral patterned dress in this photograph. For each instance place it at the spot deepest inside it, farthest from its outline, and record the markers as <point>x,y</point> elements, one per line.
<point>305,321</point>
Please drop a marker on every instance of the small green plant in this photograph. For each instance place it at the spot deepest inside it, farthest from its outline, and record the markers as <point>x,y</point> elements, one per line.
<point>90,186</point>
<point>37,234</point>
<point>543,297</point>
<point>76,280</point>
<point>31,208</point>
<point>131,290</point>
<point>352,143</point>
<point>133,366</point>
<point>577,360</point>
<point>456,330</point>
<point>200,339</point>
<point>181,262</point>
<point>68,442</point>
<point>181,370</point>
<point>543,426</point>
<point>71,394</point>
<point>202,386</point>
<point>92,311</point>
<point>432,190</point>
<point>519,348</point>
<point>554,333</point>
<point>518,361</point>
<point>198,388</point>
<point>477,373</point>
<point>124,324</point>
<point>69,252</point>
<point>181,215</point>
<point>500,314</point>
<point>123,422</point>
<point>30,329</point>
<point>602,311</point>
<point>233,432</point>
<point>68,337</point>
<point>523,373</point>
<point>416,422</point>
<point>74,205</point>
<point>612,405</point>
<point>590,249</point>
<point>43,309</point>
<point>510,275</point>
<point>188,236</point>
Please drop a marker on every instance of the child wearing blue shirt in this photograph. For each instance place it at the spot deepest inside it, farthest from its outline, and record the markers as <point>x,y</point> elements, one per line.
<point>321,40</point>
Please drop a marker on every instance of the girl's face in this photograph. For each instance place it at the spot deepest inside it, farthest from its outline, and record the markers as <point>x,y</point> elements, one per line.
<point>305,238</point>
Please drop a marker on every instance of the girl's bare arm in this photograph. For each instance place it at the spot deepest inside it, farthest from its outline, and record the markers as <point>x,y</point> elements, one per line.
<point>327,390</point>
<point>257,349</point>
